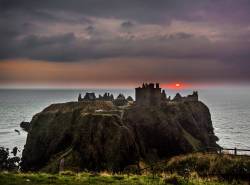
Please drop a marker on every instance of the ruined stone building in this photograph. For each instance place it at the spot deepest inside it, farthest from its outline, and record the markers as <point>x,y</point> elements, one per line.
<point>120,100</point>
<point>191,97</point>
<point>129,98</point>
<point>106,97</point>
<point>87,96</point>
<point>152,94</point>
<point>91,97</point>
<point>149,94</point>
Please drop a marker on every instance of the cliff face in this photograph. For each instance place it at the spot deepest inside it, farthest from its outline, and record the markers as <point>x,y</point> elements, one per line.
<point>174,128</point>
<point>98,135</point>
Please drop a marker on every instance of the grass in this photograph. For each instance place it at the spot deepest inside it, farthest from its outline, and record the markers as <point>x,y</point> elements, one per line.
<point>70,178</point>
<point>74,179</point>
<point>190,169</point>
<point>207,165</point>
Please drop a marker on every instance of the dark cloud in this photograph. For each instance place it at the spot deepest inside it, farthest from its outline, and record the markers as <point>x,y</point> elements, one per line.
<point>127,24</point>
<point>77,30</point>
<point>90,29</point>
<point>161,11</point>
<point>21,19</point>
<point>67,47</point>
<point>181,35</point>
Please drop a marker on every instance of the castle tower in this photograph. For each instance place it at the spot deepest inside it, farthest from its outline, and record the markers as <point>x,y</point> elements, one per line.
<point>148,94</point>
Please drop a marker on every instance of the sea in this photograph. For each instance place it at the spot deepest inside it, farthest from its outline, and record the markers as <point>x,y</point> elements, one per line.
<point>229,107</point>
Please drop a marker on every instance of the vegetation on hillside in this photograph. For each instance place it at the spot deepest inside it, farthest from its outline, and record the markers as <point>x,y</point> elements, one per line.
<point>190,169</point>
<point>70,178</point>
<point>206,165</point>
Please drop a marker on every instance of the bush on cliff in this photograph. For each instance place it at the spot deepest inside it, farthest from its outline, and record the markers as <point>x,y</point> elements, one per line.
<point>205,165</point>
<point>7,162</point>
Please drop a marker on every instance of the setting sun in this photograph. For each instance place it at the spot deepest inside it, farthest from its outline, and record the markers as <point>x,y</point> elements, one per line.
<point>176,85</point>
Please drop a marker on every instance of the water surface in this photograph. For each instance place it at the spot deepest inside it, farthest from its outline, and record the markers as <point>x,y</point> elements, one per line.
<point>229,107</point>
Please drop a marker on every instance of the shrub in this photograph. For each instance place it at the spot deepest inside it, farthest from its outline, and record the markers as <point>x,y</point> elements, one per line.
<point>6,162</point>
<point>225,166</point>
<point>176,180</point>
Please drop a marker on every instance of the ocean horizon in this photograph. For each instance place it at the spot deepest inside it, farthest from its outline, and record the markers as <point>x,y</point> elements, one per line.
<point>229,108</point>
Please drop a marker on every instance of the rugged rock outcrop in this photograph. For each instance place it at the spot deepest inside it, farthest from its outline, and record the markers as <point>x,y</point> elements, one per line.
<point>174,128</point>
<point>98,135</point>
<point>25,125</point>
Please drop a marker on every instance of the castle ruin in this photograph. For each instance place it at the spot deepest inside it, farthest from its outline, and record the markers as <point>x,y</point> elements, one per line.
<point>90,96</point>
<point>191,97</point>
<point>152,94</point>
<point>149,94</point>
<point>119,101</point>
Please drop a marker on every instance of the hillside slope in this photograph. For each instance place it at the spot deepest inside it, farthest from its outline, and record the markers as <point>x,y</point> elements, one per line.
<point>100,136</point>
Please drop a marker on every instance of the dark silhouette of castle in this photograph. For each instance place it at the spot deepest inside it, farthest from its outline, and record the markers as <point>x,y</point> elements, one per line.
<point>149,94</point>
<point>92,97</point>
<point>119,101</point>
<point>191,97</point>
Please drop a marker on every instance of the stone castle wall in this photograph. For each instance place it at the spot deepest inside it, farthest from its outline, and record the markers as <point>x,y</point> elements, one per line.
<point>148,94</point>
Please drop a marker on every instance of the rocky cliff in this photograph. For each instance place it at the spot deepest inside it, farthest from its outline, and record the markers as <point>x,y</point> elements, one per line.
<point>100,136</point>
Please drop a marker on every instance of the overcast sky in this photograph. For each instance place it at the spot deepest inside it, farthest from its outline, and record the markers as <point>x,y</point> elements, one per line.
<point>124,42</point>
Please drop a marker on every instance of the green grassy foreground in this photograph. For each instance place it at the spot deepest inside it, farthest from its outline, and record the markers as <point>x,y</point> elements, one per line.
<point>189,169</point>
<point>70,178</point>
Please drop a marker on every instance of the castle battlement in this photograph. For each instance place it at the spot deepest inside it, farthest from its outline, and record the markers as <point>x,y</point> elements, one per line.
<point>119,101</point>
<point>191,97</point>
<point>149,94</point>
<point>152,94</point>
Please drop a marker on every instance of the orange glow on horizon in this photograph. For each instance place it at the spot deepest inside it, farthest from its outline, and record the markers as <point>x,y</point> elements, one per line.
<point>177,85</point>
